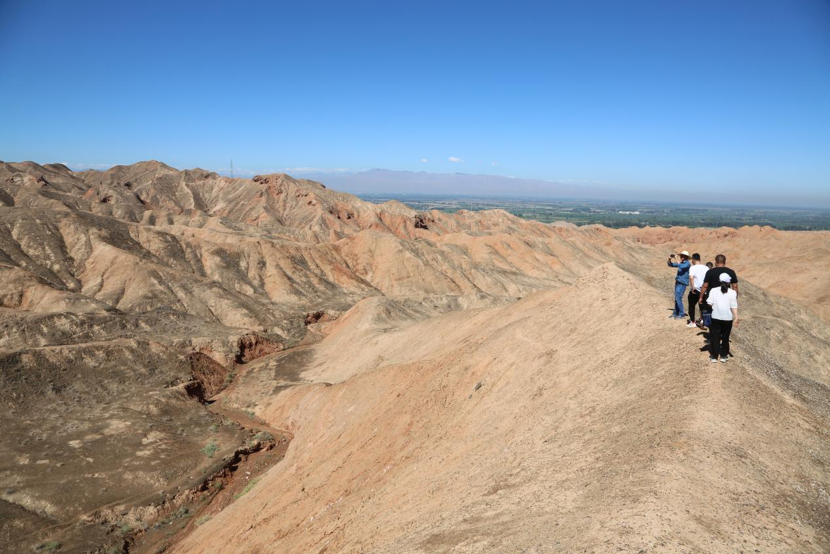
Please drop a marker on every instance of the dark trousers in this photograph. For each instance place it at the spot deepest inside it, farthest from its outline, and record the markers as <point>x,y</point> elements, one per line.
<point>694,296</point>
<point>719,333</point>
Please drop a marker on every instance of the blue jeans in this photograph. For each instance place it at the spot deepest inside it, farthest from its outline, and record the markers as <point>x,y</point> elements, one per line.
<point>679,291</point>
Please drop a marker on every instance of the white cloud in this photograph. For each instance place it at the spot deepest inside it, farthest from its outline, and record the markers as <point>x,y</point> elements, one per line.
<point>424,160</point>
<point>455,160</point>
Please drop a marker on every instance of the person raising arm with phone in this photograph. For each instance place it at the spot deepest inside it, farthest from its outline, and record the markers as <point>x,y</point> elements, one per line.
<point>681,281</point>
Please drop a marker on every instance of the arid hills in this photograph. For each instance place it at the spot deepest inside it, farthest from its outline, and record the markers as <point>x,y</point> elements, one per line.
<point>196,364</point>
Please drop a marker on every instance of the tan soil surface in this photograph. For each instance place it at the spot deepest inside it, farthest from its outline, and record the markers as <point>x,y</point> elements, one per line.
<point>467,382</point>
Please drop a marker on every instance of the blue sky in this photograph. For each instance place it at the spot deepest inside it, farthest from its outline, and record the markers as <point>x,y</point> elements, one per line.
<point>653,95</point>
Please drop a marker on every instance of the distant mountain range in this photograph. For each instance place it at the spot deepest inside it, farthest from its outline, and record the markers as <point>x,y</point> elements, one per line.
<point>385,181</point>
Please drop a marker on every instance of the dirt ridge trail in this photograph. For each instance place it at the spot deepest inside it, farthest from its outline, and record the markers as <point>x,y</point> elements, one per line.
<point>520,428</point>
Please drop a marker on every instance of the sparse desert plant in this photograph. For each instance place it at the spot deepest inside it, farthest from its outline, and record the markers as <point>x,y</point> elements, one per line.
<point>210,449</point>
<point>264,436</point>
<point>181,513</point>
<point>202,520</point>
<point>125,528</point>
<point>50,546</point>
<point>247,489</point>
<point>218,485</point>
<point>214,428</point>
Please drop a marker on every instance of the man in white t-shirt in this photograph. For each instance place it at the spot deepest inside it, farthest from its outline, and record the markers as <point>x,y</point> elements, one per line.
<point>696,275</point>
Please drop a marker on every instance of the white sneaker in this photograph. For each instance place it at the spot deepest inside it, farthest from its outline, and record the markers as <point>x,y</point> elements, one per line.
<point>691,325</point>
<point>713,360</point>
<point>724,359</point>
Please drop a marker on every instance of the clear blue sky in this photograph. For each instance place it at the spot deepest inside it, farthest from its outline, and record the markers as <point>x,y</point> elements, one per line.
<point>644,94</point>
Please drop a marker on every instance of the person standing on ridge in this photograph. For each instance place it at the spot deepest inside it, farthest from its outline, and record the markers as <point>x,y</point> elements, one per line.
<point>681,281</point>
<point>724,302</point>
<point>697,273</point>
<point>704,308</point>
<point>712,278</point>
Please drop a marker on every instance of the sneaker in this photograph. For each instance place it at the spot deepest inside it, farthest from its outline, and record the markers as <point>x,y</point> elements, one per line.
<point>713,360</point>
<point>724,359</point>
<point>691,325</point>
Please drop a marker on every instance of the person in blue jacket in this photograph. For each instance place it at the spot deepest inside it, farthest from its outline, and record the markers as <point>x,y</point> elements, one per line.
<point>681,281</point>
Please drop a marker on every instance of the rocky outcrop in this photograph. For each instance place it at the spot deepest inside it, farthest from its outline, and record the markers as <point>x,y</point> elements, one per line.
<point>253,346</point>
<point>209,377</point>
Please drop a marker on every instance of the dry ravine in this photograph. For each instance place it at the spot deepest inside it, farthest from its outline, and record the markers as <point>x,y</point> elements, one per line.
<point>196,364</point>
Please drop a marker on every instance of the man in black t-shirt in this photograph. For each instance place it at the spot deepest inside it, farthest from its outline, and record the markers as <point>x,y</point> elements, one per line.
<point>712,279</point>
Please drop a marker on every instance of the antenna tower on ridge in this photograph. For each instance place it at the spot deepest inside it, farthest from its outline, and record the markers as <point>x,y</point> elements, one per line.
<point>231,168</point>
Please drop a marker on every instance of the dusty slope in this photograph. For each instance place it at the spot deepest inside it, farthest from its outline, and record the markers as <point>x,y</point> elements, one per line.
<point>617,438</point>
<point>128,295</point>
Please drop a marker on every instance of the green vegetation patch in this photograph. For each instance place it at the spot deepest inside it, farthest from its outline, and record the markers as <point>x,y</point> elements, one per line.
<point>247,489</point>
<point>264,436</point>
<point>211,449</point>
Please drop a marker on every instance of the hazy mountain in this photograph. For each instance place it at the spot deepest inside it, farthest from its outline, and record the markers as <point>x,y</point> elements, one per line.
<point>390,182</point>
<point>386,181</point>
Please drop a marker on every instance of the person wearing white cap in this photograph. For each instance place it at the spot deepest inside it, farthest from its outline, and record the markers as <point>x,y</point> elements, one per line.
<point>681,281</point>
<point>724,303</point>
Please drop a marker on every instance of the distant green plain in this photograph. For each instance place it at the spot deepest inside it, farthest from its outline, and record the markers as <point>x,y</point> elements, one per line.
<point>625,214</point>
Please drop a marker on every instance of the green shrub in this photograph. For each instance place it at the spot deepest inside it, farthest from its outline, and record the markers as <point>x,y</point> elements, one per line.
<point>210,449</point>
<point>264,436</point>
